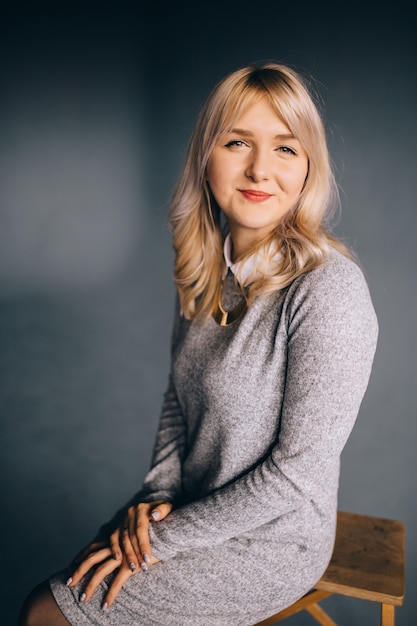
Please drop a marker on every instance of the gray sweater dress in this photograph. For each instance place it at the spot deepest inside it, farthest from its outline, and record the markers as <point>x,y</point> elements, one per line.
<point>252,427</point>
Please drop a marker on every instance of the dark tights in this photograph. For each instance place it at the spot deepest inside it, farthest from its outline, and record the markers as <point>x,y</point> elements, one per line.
<point>40,609</point>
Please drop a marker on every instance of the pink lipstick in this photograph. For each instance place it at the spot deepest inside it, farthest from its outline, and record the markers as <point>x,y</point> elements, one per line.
<point>255,196</point>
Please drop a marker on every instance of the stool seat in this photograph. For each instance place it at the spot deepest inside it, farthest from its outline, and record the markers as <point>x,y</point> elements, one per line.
<point>368,562</point>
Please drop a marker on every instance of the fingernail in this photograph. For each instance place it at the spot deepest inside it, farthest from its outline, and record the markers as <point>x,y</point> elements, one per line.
<point>156,515</point>
<point>132,566</point>
<point>82,597</point>
<point>116,556</point>
<point>144,567</point>
<point>69,581</point>
<point>105,606</point>
<point>146,558</point>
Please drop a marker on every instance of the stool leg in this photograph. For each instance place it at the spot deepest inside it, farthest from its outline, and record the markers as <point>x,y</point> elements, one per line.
<point>310,598</point>
<point>387,615</point>
<point>320,616</point>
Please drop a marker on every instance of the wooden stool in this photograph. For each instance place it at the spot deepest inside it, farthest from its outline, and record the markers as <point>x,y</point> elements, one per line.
<point>368,562</point>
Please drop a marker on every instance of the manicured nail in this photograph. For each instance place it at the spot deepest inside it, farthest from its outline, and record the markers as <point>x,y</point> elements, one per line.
<point>146,558</point>
<point>105,606</point>
<point>82,597</point>
<point>144,567</point>
<point>132,566</point>
<point>156,515</point>
<point>69,581</point>
<point>116,555</point>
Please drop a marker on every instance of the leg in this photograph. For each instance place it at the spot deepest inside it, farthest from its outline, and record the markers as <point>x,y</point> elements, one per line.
<point>40,609</point>
<point>387,614</point>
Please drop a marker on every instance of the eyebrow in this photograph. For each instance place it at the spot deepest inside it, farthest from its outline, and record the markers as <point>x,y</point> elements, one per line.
<point>248,133</point>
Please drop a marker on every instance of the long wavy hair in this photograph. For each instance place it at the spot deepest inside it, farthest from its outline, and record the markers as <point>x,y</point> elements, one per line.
<point>195,220</point>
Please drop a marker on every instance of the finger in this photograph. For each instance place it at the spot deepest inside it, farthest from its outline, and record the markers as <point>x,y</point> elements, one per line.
<point>133,525</point>
<point>83,554</point>
<point>87,564</point>
<point>122,576</point>
<point>155,511</point>
<point>128,551</point>
<point>142,535</point>
<point>115,545</point>
<point>161,511</point>
<point>99,575</point>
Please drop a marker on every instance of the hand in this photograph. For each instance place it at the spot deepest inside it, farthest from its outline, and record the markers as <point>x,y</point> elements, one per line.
<point>107,556</point>
<point>83,554</point>
<point>106,564</point>
<point>132,538</point>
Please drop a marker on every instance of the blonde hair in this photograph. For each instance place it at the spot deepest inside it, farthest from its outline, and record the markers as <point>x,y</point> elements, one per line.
<point>195,218</point>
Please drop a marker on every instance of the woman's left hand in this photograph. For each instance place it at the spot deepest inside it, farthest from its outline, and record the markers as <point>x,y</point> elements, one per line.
<point>127,547</point>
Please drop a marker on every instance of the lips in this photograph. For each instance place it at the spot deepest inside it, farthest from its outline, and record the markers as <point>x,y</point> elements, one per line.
<point>254,195</point>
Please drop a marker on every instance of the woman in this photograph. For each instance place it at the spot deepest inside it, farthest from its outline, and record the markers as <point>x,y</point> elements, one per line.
<point>272,350</point>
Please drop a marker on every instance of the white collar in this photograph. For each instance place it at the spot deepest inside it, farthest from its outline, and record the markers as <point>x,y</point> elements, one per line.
<point>243,269</point>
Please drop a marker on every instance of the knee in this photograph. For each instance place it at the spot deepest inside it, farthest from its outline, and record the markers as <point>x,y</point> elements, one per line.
<point>27,616</point>
<point>34,611</point>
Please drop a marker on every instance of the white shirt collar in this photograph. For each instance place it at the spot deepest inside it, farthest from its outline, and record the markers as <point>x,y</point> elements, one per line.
<point>242,269</point>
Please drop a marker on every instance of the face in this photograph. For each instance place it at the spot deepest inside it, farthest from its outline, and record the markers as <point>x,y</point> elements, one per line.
<point>256,173</point>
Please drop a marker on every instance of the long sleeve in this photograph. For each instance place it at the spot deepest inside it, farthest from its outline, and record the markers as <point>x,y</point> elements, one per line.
<point>331,338</point>
<point>163,481</point>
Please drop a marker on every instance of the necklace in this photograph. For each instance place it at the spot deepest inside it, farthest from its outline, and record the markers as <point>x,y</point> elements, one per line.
<point>226,318</point>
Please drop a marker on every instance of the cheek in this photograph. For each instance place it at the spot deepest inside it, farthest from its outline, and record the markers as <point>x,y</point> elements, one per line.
<point>295,179</point>
<point>217,177</point>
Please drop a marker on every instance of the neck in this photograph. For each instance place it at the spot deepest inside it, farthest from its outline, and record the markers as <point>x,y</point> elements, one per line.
<point>240,246</point>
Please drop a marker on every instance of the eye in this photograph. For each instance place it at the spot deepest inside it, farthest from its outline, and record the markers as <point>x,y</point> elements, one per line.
<point>235,143</point>
<point>287,150</point>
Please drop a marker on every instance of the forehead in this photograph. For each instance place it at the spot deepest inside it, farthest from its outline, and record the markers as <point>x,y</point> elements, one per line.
<point>248,108</point>
<point>260,116</point>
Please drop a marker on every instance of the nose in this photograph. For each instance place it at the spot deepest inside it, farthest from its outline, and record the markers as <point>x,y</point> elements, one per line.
<point>258,166</point>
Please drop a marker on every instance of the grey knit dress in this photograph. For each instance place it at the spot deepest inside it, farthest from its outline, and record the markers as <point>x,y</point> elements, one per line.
<point>248,449</point>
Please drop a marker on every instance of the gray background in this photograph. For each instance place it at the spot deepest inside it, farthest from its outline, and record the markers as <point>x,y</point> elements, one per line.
<point>97,104</point>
